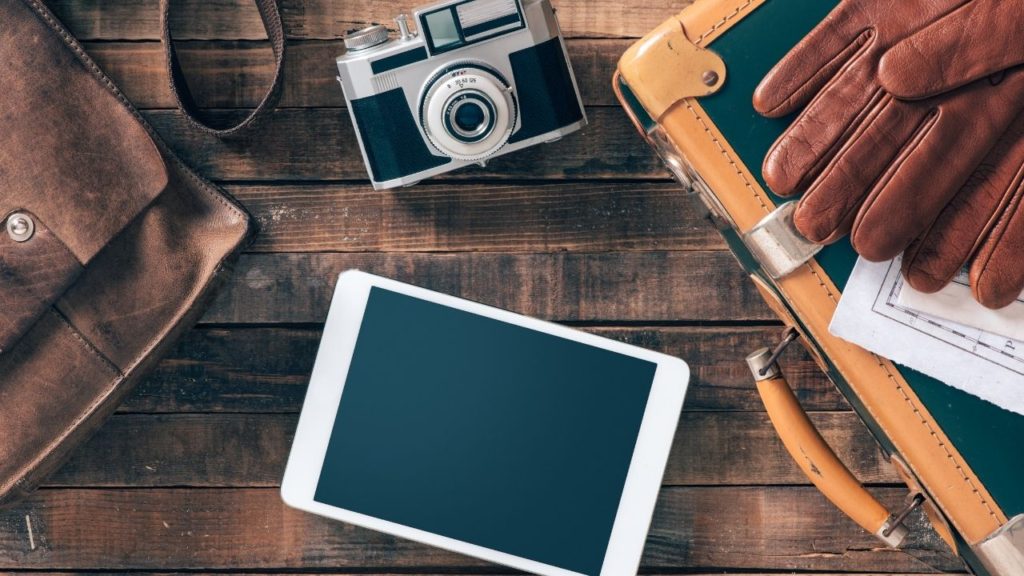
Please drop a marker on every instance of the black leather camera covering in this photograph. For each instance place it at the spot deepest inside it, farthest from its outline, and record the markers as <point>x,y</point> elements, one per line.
<point>547,96</point>
<point>393,142</point>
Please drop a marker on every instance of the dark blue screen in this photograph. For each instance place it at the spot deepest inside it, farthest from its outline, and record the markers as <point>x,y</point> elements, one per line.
<point>485,432</point>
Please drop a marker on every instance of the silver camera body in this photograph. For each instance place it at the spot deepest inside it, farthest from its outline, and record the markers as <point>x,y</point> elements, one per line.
<point>480,79</point>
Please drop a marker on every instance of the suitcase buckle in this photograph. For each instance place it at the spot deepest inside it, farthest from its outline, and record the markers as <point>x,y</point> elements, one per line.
<point>1003,551</point>
<point>777,244</point>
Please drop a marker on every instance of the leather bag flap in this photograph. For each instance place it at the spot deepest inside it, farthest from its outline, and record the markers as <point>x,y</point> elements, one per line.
<point>76,166</point>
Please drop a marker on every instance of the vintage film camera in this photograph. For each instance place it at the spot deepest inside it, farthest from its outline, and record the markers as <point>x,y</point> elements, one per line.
<point>482,78</point>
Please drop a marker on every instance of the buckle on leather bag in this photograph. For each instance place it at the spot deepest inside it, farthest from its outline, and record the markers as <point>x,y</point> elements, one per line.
<point>777,244</point>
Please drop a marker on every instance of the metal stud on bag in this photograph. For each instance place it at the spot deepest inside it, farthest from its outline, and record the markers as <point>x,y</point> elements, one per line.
<point>20,227</point>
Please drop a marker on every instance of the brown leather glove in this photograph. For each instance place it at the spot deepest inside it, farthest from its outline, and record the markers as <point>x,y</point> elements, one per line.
<point>878,167</point>
<point>985,220</point>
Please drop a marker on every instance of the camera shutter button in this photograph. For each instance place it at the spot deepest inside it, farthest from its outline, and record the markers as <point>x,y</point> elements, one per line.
<point>366,38</point>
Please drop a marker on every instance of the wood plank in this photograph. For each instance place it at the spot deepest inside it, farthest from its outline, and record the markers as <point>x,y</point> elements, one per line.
<point>319,144</point>
<point>321,573</point>
<point>267,369</point>
<point>238,19</point>
<point>235,74</point>
<point>509,218</point>
<point>245,450</point>
<point>47,573</point>
<point>589,287</point>
<point>781,528</point>
<point>763,528</point>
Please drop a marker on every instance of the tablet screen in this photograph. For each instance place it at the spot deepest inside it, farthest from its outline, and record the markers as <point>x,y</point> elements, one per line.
<point>485,432</point>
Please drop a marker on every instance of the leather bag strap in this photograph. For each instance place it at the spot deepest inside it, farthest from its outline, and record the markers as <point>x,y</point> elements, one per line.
<point>271,17</point>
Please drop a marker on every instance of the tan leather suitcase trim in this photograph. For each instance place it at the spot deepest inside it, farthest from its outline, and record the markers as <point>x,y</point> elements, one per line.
<point>671,61</point>
<point>896,409</point>
<point>714,17</point>
<point>809,290</point>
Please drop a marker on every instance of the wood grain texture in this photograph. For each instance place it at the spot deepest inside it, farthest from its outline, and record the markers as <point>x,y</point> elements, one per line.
<point>319,144</point>
<point>509,218</point>
<point>758,528</point>
<point>238,19</point>
<point>572,286</point>
<point>265,370</point>
<point>589,231</point>
<point>372,573</point>
<point>246,450</point>
<point>235,74</point>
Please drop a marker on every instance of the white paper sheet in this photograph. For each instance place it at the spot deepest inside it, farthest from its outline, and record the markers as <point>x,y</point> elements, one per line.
<point>955,302</point>
<point>977,362</point>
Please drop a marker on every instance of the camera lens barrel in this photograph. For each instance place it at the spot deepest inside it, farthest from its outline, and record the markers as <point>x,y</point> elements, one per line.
<point>470,117</point>
<point>468,111</point>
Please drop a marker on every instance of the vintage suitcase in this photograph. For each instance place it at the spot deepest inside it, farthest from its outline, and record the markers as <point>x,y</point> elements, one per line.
<point>687,87</point>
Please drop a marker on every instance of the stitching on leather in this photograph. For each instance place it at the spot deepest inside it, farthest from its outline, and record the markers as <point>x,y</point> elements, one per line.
<point>821,283</point>
<point>88,345</point>
<point>72,43</point>
<point>725,153</point>
<point>832,297</point>
<point>33,466</point>
<point>934,435</point>
<point>725,19</point>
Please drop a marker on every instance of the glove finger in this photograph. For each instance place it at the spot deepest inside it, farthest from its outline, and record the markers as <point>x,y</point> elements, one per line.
<point>808,67</point>
<point>938,255</point>
<point>977,40</point>
<point>932,169</point>
<point>934,259</point>
<point>828,209</point>
<point>997,273</point>
<point>810,143</point>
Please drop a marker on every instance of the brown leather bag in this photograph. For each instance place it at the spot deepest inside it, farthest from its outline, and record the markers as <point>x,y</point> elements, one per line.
<point>109,245</point>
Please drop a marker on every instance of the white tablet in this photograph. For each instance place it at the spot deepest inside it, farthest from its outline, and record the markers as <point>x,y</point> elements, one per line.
<point>484,432</point>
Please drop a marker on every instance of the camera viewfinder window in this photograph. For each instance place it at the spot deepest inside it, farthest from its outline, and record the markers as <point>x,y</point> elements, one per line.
<point>442,29</point>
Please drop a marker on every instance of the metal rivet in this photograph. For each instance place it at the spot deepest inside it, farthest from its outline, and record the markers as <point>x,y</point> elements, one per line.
<point>20,227</point>
<point>710,78</point>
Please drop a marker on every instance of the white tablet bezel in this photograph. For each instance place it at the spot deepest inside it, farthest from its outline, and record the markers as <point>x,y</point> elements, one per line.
<point>643,481</point>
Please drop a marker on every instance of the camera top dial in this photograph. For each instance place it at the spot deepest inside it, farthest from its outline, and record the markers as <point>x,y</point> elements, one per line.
<point>468,111</point>
<point>366,38</point>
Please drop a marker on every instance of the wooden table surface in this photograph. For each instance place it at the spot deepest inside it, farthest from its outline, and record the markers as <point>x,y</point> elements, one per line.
<point>589,232</point>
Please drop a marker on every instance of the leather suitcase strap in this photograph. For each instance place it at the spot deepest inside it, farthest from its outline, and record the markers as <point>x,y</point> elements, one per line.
<point>271,17</point>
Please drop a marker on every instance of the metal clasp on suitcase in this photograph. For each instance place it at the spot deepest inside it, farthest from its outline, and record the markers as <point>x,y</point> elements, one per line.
<point>1003,551</point>
<point>815,457</point>
<point>777,245</point>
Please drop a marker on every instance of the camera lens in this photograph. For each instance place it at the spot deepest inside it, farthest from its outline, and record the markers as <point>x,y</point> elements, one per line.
<point>469,117</point>
<point>468,111</point>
